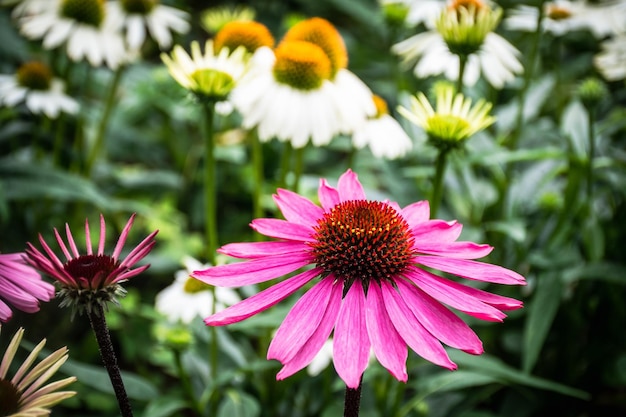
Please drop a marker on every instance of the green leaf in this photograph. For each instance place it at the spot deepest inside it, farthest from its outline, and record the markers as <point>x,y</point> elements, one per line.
<point>164,407</point>
<point>96,377</point>
<point>238,404</point>
<point>489,365</point>
<point>541,314</point>
<point>602,271</point>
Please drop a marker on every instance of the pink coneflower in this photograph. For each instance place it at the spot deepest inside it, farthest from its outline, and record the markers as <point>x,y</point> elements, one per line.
<point>20,286</point>
<point>372,291</point>
<point>94,277</point>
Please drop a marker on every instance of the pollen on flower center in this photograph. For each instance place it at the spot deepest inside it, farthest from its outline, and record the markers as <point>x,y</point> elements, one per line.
<point>381,106</point>
<point>90,266</point>
<point>9,398</point>
<point>362,240</point>
<point>249,34</point>
<point>138,6</point>
<point>89,12</point>
<point>556,12</point>
<point>301,65</point>
<point>34,75</point>
<point>323,34</point>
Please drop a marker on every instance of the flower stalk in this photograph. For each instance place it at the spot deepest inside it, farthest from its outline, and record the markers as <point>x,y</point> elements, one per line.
<point>109,360</point>
<point>210,192</point>
<point>440,168</point>
<point>352,401</point>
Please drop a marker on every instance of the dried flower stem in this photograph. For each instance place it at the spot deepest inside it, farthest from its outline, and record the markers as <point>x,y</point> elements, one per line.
<point>352,402</point>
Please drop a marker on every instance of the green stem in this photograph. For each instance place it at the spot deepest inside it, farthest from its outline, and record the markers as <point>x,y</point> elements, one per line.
<point>352,402</point>
<point>285,164</point>
<point>210,191</point>
<point>96,149</point>
<point>186,383</point>
<point>440,168</point>
<point>459,81</point>
<point>298,169</point>
<point>257,167</point>
<point>59,136</point>
<point>592,151</point>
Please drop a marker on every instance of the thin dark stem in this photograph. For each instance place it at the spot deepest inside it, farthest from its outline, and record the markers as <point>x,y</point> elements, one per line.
<point>298,169</point>
<point>101,331</point>
<point>440,168</point>
<point>352,402</point>
<point>257,163</point>
<point>592,152</point>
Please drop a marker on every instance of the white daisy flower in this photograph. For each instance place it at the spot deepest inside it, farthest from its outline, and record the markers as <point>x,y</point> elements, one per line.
<point>562,16</point>
<point>419,11</point>
<point>467,32</point>
<point>34,86</point>
<point>187,298</point>
<point>208,75</point>
<point>611,62</point>
<point>84,26</point>
<point>287,95</point>
<point>383,134</point>
<point>354,98</point>
<point>140,17</point>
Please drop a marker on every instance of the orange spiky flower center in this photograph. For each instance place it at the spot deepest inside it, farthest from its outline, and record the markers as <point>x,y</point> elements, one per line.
<point>301,65</point>
<point>249,34</point>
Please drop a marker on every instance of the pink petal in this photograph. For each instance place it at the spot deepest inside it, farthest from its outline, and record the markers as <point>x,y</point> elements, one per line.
<point>329,196</point>
<point>103,233</point>
<point>312,346</point>
<point>252,272</point>
<point>122,239</point>
<point>351,344</point>
<point>262,249</point>
<point>416,213</point>
<point>260,301</point>
<point>410,329</point>
<point>478,271</point>
<point>282,229</point>
<point>438,320</point>
<point>460,250</point>
<point>349,187</point>
<point>67,254</point>
<point>453,294</point>
<point>389,347</point>
<point>439,231</point>
<point>5,312</point>
<point>297,209</point>
<point>301,322</point>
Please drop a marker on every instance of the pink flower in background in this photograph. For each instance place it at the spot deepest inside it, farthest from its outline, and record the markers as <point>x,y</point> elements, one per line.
<point>93,277</point>
<point>373,292</point>
<point>20,286</point>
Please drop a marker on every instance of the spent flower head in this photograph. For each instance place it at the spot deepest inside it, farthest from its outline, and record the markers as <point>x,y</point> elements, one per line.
<point>372,264</point>
<point>452,121</point>
<point>21,286</point>
<point>91,278</point>
<point>25,393</point>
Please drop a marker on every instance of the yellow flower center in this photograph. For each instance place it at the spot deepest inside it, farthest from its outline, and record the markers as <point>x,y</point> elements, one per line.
<point>363,240</point>
<point>34,75</point>
<point>323,34</point>
<point>301,65</point>
<point>194,286</point>
<point>381,106</point>
<point>9,398</point>
<point>89,12</point>
<point>249,34</point>
<point>143,7</point>
<point>211,83</point>
<point>557,12</point>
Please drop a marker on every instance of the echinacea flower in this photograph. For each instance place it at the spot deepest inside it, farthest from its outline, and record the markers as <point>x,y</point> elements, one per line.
<point>84,26</point>
<point>611,61</point>
<point>354,98</point>
<point>419,11</point>
<point>249,34</point>
<point>382,133</point>
<point>462,34</point>
<point>287,95</point>
<point>92,279</point>
<point>159,20</point>
<point>452,121</point>
<point>562,16</point>
<point>21,286</point>
<point>34,85</point>
<point>26,393</point>
<point>188,298</point>
<point>208,75</point>
<point>214,18</point>
<point>373,291</point>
